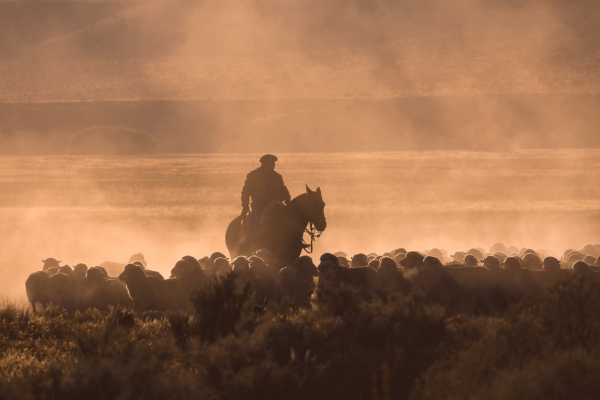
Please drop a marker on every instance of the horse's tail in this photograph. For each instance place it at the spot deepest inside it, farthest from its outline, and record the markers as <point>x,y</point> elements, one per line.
<point>235,240</point>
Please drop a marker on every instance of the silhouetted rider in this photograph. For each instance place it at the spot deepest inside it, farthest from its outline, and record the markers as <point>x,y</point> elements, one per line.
<point>262,185</point>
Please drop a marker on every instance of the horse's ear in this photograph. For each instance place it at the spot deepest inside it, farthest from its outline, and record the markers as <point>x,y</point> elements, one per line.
<point>308,190</point>
<point>319,191</point>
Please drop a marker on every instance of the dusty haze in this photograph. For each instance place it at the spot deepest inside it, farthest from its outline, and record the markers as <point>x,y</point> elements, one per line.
<point>476,99</point>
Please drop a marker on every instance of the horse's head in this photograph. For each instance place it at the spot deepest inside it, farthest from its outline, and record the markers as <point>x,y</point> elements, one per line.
<point>315,209</point>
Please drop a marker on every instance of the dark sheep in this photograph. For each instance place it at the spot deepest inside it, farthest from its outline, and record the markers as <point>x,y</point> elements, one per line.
<point>101,292</point>
<point>79,272</point>
<point>412,260</point>
<point>519,283</point>
<point>306,271</point>
<point>36,288</point>
<point>139,287</point>
<point>62,292</point>
<point>359,260</point>
<point>365,279</point>
<point>50,263</point>
<point>437,284</point>
<point>532,262</point>
<point>266,276</point>
<point>374,264</point>
<point>480,286</point>
<point>470,260</point>
<point>391,278</point>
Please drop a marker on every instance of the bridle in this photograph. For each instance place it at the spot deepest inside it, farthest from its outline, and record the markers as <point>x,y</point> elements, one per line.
<point>312,232</point>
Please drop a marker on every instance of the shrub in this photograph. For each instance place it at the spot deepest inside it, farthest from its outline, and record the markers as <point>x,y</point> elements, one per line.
<point>111,140</point>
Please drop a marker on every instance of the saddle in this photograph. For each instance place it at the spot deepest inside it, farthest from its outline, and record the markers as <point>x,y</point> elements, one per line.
<point>270,212</point>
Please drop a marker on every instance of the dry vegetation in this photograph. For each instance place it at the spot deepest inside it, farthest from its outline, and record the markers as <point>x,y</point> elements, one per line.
<point>390,348</point>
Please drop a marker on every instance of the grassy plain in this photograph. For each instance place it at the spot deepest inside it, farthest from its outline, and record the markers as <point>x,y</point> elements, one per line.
<point>93,209</point>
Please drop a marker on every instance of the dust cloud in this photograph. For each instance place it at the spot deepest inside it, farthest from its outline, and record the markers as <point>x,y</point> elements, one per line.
<point>426,124</point>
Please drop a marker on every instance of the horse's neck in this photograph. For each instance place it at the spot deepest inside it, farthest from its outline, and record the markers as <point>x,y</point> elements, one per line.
<point>296,211</point>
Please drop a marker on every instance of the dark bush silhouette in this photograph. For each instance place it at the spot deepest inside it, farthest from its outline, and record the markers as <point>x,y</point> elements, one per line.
<point>111,140</point>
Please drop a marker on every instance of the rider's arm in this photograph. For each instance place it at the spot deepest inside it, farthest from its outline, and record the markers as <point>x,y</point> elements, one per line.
<point>246,191</point>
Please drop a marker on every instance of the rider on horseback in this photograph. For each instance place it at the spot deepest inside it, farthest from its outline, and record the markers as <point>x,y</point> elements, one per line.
<point>263,185</point>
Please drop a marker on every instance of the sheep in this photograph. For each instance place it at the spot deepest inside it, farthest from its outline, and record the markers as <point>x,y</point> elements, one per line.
<point>590,250</point>
<point>52,271</point>
<point>363,278</point>
<point>437,284</point>
<point>359,260</point>
<point>398,251</point>
<point>139,287</point>
<point>340,254</point>
<point>50,263</point>
<point>266,276</point>
<point>221,266</point>
<point>332,258</point>
<point>477,253</point>
<point>374,264</point>
<point>437,253</point>
<point>471,260</point>
<point>189,272</point>
<point>101,292</point>
<point>306,271</point>
<point>589,260</point>
<point>343,262</point>
<point>532,262</point>
<point>479,285</point>
<point>459,256</point>
<point>499,247</point>
<point>36,287</point>
<point>519,283</point>
<point>62,292</point>
<point>79,272</point>
<point>551,274</point>
<point>285,287</point>
<point>392,279</point>
<point>412,260</point>
<point>139,257</point>
<point>241,266</point>
<point>154,274</point>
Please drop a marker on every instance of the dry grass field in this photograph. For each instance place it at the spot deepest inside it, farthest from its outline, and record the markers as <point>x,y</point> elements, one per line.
<point>82,209</point>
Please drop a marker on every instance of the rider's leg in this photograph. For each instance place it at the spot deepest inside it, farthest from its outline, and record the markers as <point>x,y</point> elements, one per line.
<point>257,209</point>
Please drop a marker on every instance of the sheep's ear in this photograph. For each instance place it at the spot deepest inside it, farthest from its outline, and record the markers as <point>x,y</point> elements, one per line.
<point>319,191</point>
<point>308,190</point>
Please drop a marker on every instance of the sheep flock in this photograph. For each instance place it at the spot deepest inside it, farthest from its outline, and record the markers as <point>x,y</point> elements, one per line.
<point>484,280</point>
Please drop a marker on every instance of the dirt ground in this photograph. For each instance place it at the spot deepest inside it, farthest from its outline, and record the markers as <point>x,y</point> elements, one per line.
<point>81,209</point>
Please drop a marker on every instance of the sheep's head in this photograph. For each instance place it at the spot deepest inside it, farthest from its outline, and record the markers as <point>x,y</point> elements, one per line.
<point>512,264</point>
<point>132,272</point>
<point>241,265</point>
<point>459,256</point>
<point>581,269</point>
<point>222,266</point>
<point>327,270</point>
<point>432,266</point>
<point>306,266</point>
<point>50,263</point>
<point>491,263</point>
<point>65,269</point>
<point>180,269</point>
<point>412,260</point>
<point>470,260</point>
<point>93,276</point>
<point>532,261</point>
<point>138,257</point>
<point>551,264</point>
<point>79,271</point>
<point>359,260</point>
<point>387,266</point>
<point>287,276</point>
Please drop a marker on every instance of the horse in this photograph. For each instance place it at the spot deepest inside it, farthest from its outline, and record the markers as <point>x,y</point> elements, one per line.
<point>284,236</point>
